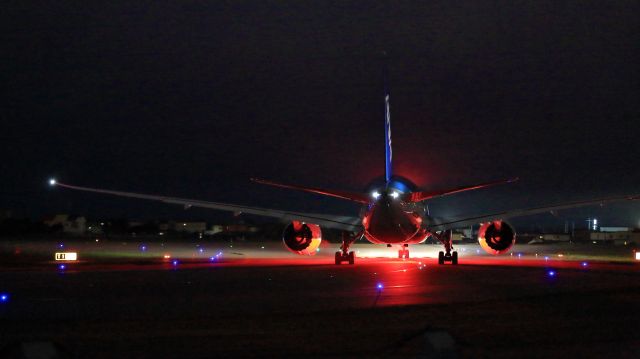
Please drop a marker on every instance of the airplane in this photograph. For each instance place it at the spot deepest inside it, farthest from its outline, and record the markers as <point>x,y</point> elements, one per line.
<point>392,214</point>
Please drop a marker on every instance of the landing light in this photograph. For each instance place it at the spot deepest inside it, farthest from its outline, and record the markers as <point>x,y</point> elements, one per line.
<point>395,194</point>
<point>375,194</point>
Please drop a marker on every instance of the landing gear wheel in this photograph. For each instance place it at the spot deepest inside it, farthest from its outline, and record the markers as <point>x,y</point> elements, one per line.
<point>352,257</point>
<point>454,258</point>
<point>440,257</point>
<point>338,257</point>
<point>406,253</point>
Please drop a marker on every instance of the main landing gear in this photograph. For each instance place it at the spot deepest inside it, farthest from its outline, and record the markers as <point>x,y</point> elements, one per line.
<point>344,255</point>
<point>448,255</point>
<point>404,252</point>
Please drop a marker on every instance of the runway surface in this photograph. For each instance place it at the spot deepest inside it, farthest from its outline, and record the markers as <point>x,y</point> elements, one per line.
<point>125,299</point>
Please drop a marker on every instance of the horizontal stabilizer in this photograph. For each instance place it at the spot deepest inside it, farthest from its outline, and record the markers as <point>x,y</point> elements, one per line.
<point>425,195</point>
<point>351,196</point>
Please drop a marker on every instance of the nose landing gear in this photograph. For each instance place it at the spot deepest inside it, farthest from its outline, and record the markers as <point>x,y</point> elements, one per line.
<point>404,252</point>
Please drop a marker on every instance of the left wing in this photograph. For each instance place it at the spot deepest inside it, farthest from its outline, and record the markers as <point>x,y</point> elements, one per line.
<point>330,221</point>
<point>526,212</point>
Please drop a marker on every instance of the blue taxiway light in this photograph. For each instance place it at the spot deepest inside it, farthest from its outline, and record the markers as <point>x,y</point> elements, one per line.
<point>379,286</point>
<point>584,264</point>
<point>551,273</point>
<point>4,297</point>
<point>175,262</point>
<point>62,267</point>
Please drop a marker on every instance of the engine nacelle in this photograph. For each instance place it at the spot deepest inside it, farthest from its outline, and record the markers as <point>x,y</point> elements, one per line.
<point>496,237</point>
<point>302,238</point>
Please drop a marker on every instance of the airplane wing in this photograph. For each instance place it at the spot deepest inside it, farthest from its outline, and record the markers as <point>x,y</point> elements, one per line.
<point>330,221</point>
<point>457,223</point>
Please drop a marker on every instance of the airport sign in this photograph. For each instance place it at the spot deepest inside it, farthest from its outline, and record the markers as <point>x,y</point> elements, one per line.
<point>66,256</point>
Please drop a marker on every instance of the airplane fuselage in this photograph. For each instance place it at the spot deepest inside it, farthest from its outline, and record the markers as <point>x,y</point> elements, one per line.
<point>390,220</point>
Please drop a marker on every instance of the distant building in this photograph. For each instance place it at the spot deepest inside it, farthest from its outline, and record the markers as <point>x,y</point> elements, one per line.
<point>615,229</point>
<point>69,224</point>
<point>232,229</point>
<point>536,238</point>
<point>620,238</point>
<point>191,227</point>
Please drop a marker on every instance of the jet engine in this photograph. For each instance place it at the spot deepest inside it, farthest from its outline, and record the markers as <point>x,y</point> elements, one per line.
<point>496,237</point>
<point>302,238</point>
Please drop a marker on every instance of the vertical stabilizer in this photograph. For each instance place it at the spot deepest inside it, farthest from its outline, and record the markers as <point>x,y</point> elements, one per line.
<point>387,127</point>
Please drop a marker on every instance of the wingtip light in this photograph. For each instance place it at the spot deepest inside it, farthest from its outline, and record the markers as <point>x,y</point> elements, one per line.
<point>52,182</point>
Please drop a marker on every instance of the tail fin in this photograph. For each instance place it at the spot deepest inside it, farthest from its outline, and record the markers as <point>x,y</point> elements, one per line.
<point>387,127</point>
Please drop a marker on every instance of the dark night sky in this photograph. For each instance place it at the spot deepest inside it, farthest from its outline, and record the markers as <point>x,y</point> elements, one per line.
<point>192,99</point>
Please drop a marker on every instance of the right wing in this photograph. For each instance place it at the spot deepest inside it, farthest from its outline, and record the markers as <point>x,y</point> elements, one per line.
<point>457,223</point>
<point>330,221</point>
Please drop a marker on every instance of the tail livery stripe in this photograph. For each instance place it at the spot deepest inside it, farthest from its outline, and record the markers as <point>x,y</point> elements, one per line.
<point>387,135</point>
